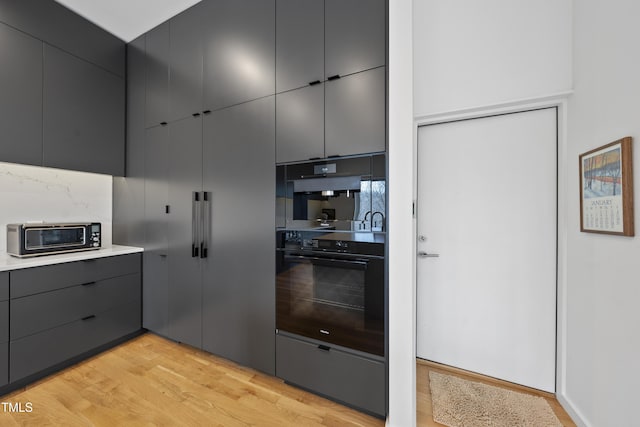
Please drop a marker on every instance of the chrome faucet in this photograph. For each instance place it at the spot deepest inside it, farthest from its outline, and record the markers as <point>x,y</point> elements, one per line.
<point>364,220</point>
<point>373,222</point>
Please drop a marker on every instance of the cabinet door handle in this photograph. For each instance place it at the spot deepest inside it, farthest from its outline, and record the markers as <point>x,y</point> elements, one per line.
<point>324,347</point>
<point>196,114</point>
<point>315,82</point>
<point>163,123</point>
<point>88,283</point>
<point>194,224</point>
<point>336,77</point>
<point>333,156</point>
<point>89,317</point>
<point>315,158</point>
<point>206,223</point>
<point>166,209</point>
<point>206,112</point>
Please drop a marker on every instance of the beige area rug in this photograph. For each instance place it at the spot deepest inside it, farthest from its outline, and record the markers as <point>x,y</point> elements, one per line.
<point>463,403</point>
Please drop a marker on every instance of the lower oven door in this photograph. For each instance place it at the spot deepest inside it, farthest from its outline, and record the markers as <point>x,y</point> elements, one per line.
<point>334,298</point>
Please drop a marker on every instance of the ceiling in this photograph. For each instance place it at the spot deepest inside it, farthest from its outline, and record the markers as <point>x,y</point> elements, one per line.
<point>127,19</point>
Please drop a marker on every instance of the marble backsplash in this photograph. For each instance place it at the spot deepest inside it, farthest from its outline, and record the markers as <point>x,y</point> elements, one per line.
<point>31,193</point>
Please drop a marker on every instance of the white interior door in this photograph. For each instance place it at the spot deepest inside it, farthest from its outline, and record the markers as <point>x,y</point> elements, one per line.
<point>487,191</point>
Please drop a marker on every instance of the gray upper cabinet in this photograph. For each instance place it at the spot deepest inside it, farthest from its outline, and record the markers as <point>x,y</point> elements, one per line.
<point>300,124</point>
<point>355,114</point>
<point>325,47</point>
<point>128,194</point>
<point>21,99</point>
<point>239,272</point>
<point>56,25</point>
<point>83,115</point>
<point>185,279</point>
<point>157,75</point>
<point>239,51</point>
<point>355,36</point>
<point>299,43</point>
<point>156,207</point>
<point>185,71</point>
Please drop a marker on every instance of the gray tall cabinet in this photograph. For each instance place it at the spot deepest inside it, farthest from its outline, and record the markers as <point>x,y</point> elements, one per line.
<point>208,128</point>
<point>223,92</point>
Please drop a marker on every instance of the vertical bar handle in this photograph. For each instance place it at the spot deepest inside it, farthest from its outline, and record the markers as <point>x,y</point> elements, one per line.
<point>206,224</point>
<point>195,201</point>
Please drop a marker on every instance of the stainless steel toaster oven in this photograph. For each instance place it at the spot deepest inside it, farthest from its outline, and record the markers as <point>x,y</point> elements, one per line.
<point>33,239</point>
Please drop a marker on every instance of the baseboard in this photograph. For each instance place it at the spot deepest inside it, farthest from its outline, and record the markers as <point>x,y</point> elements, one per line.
<point>573,412</point>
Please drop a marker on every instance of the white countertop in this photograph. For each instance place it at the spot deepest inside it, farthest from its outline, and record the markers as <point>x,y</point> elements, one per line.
<point>8,262</point>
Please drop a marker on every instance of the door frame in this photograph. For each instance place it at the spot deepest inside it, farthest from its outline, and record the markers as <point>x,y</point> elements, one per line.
<point>558,101</point>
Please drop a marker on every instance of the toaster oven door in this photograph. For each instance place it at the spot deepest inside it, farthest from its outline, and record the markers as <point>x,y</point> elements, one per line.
<point>54,238</point>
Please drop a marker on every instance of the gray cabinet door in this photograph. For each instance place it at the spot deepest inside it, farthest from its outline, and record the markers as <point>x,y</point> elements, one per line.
<point>185,73</point>
<point>239,273</point>
<point>300,124</point>
<point>155,290</point>
<point>83,115</point>
<point>355,114</point>
<point>157,78</point>
<point>185,178</point>
<point>299,43</point>
<point>21,99</point>
<point>4,286</point>
<point>57,25</point>
<point>239,51</point>
<point>128,194</point>
<point>355,35</point>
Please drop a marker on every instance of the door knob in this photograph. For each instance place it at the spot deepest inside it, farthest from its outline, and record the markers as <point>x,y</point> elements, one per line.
<point>423,254</point>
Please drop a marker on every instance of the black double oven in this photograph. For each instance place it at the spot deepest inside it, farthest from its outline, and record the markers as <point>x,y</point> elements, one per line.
<point>330,252</point>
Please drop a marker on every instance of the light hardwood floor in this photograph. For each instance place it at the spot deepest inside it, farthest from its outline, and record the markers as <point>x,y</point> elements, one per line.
<point>152,381</point>
<point>425,414</point>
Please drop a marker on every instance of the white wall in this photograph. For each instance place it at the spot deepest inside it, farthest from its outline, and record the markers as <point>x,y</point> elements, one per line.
<point>31,193</point>
<point>402,365</point>
<point>603,276</point>
<point>475,53</point>
<point>473,58</point>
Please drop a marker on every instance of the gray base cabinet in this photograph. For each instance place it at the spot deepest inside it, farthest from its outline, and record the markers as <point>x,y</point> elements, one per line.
<point>4,328</point>
<point>341,375</point>
<point>61,311</point>
<point>35,353</point>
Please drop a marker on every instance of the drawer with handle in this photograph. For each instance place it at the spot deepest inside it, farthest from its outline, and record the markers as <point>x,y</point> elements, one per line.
<point>36,313</point>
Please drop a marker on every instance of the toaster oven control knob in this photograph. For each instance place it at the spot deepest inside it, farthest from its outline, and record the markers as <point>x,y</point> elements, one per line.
<point>95,244</point>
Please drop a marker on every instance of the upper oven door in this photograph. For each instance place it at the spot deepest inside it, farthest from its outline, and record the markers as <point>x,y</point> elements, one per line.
<point>51,238</point>
<point>334,298</point>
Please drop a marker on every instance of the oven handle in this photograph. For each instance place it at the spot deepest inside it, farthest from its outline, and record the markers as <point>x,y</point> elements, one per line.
<point>327,261</point>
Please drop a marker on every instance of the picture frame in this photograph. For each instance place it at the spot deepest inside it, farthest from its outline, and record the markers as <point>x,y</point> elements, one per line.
<point>606,189</point>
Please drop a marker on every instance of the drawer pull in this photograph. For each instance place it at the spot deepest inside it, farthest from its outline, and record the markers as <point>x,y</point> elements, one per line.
<point>324,347</point>
<point>315,82</point>
<point>89,317</point>
<point>88,283</point>
<point>336,77</point>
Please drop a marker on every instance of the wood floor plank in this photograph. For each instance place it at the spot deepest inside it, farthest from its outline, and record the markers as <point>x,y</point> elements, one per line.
<point>151,381</point>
